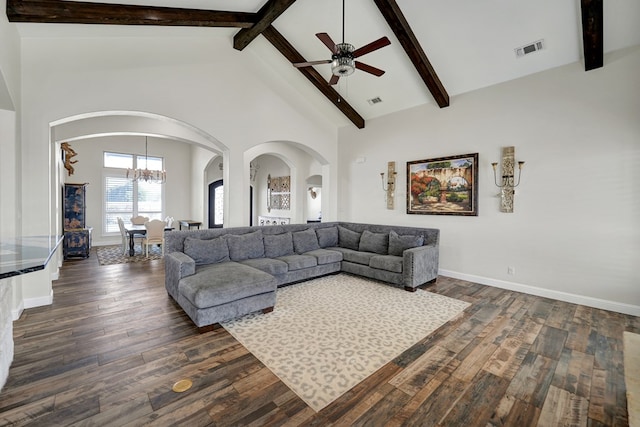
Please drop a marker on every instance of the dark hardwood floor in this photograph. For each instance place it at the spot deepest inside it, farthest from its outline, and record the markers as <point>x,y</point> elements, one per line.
<point>110,348</point>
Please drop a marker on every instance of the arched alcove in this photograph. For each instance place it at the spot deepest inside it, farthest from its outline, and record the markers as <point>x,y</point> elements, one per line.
<point>313,207</point>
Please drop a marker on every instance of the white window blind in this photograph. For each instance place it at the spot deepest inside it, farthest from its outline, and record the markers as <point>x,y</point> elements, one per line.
<point>118,201</point>
<point>149,200</point>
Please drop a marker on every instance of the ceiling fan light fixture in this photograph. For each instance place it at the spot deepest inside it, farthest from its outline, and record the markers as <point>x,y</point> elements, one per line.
<point>342,67</point>
<point>343,63</point>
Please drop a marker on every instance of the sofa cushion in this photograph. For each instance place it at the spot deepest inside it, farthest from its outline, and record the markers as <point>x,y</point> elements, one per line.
<point>398,244</point>
<point>225,282</point>
<point>305,241</point>
<point>268,265</point>
<point>350,255</point>
<point>209,251</point>
<point>327,236</point>
<point>276,245</point>
<point>325,256</point>
<point>386,262</point>
<point>298,262</point>
<point>245,246</point>
<point>374,242</point>
<point>348,239</point>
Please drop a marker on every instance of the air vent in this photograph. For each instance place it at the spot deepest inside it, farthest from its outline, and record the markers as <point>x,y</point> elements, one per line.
<point>529,48</point>
<point>374,101</point>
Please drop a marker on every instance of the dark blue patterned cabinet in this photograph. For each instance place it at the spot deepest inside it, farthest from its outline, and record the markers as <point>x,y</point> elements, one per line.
<point>77,236</point>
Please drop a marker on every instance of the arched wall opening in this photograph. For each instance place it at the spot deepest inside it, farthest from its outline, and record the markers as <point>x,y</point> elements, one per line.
<point>100,126</point>
<point>300,162</point>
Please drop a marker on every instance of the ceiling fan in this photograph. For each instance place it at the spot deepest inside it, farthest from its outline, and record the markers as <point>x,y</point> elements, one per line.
<point>343,56</point>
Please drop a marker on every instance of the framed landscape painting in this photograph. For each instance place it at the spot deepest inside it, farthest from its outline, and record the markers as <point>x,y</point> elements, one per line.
<point>443,186</point>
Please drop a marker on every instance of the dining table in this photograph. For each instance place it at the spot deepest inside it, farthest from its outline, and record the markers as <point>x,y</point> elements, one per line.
<point>137,230</point>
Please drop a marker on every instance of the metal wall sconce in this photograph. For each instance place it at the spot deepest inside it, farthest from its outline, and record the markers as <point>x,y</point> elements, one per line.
<point>508,183</point>
<point>391,183</point>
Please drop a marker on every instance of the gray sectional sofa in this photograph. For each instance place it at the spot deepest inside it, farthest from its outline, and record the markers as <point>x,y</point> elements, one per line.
<point>220,274</point>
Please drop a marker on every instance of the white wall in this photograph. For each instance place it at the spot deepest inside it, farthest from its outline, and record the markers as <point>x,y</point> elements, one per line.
<point>575,228</point>
<point>9,63</point>
<point>10,208</point>
<point>8,174</point>
<point>9,133</point>
<point>200,81</point>
<point>89,169</point>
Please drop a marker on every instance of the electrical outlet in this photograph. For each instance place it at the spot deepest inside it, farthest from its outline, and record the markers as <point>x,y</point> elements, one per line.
<point>511,271</point>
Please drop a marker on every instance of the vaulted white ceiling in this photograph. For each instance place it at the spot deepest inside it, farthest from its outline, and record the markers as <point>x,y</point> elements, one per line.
<point>470,43</point>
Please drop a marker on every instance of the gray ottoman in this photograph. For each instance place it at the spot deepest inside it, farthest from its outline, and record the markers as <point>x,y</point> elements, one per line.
<point>225,291</point>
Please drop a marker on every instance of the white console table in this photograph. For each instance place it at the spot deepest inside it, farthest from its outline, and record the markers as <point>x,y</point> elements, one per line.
<point>273,220</point>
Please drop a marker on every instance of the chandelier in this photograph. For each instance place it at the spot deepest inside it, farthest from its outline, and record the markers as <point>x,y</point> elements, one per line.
<point>146,175</point>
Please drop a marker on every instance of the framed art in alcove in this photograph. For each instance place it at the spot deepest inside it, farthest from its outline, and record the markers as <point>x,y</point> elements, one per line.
<point>443,186</point>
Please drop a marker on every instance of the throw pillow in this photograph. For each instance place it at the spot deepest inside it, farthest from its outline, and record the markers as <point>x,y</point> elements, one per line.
<point>305,241</point>
<point>348,239</point>
<point>397,243</point>
<point>276,245</point>
<point>327,237</point>
<point>374,242</point>
<point>245,246</point>
<point>210,251</point>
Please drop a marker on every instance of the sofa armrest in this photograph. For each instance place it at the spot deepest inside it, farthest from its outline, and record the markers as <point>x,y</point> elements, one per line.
<point>420,265</point>
<point>176,266</point>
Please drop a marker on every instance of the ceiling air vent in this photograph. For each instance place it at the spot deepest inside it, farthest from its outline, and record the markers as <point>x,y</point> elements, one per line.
<point>529,48</point>
<point>374,101</point>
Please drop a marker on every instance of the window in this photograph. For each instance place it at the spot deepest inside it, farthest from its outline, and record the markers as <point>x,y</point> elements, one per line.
<point>126,198</point>
<point>151,163</point>
<point>118,160</point>
<point>216,204</point>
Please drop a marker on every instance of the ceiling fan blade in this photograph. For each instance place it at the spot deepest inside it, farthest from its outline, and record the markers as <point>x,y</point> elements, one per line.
<point>310,63</point>
<point>328,41</point>
<point>369,69</point>
<point>381,42</point>
<point>334,79</point>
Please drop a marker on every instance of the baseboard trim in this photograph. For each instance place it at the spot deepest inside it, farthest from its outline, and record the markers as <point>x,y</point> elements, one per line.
<point>16,313</point>
<point>603,304</point>
<point>38,302</point>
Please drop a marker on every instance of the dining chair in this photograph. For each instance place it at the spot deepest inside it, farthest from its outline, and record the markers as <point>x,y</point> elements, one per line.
<point>155,235</point>
<point>139,220</point>
<point>124,235</point>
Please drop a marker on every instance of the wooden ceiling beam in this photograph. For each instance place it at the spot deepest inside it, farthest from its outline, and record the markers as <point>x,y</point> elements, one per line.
<point>266,15</point>
<point>75,12</point>
<point>289,52</point>
<point>592,33</point>
<point>400,27</point>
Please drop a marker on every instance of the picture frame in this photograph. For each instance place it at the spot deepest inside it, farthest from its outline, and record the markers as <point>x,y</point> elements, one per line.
<point>443,186</point>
